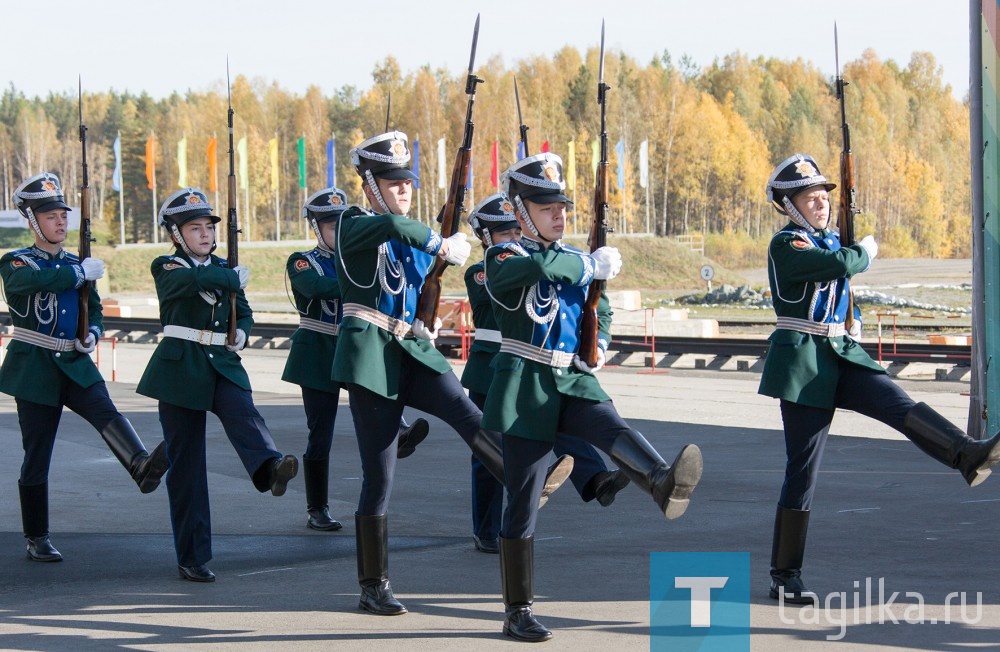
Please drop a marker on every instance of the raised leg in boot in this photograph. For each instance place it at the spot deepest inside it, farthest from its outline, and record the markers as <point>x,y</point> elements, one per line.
<point>948,444</point>
<point>35,519</point>
<point>145,468</point>
<point>486,446</point>
<point>516,575</point>
<point>787,550</point>
<point>670,486</point>
<point>410,436</point>
<point>317,481</point>
<point>373,566</point>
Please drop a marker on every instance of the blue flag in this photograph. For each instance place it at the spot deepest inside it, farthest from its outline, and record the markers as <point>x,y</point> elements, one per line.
<point>331,163</point>
<point>520,150</point>
<point>468,178</point>
<point>415,157</point>
<point>620,151</point>
<point>116,176</point>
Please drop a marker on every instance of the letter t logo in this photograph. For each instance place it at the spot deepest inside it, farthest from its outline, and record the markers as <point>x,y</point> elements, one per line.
<point>701,596</point>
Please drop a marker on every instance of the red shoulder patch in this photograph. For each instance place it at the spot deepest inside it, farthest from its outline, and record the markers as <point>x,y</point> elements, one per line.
<point>480,278</point>
<point>18,263</point>
<point>802,244</point>
<point>172,266</point>
<point>301,265</point>
<point>504,256</point>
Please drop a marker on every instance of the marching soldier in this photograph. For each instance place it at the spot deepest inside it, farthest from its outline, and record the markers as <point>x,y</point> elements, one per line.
<point>316,290</point>
<point>493,222</point>
<point>385,356</point>
<point>541,386</point>
<point>47,368</point>
<point>194,370</point>
<point>815,365</point>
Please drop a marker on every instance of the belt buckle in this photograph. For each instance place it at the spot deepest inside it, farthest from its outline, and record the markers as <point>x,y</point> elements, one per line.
<point>831,330</point>
<point>205,337</point>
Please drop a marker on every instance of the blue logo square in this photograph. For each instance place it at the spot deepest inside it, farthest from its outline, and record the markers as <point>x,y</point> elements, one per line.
<point>699,601</point>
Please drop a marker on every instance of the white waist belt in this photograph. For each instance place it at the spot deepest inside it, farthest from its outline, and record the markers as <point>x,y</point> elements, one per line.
<point>397,327</point>
<point>316,325</point>
<point>558,359</point>
<point>487,335</point>
<point>42,340</point>
<point>811,327</point>
<point>203,337</point>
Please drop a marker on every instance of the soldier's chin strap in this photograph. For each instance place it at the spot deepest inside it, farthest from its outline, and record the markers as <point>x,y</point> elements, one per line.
<point>35,226</point>
<point>182,243</point>
<point>373,186</point>
<point>796,216</point>
<point>323,244</point>
<point>523,211</point>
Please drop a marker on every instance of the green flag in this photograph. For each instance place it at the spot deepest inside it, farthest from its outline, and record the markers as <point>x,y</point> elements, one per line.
<point>302,162</point>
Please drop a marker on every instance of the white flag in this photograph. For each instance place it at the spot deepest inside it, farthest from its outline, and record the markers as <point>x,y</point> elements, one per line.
<point>116,176</point>
<point>442,181</point>
<point>644,164</point>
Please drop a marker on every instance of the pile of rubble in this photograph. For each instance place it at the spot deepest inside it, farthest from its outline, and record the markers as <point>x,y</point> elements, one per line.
<point>747,297</point>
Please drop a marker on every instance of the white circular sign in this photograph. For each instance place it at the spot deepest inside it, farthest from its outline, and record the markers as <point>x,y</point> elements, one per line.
<point>707,272</point>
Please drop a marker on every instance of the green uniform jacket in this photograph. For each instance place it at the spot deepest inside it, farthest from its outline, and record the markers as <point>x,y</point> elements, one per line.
<point>801,367</point>
<point>181,372</point>
<point>31,372</point>
<point>310,360</point>
<point>478,374</point>
<point>525,397</point>
<point>366,354</point>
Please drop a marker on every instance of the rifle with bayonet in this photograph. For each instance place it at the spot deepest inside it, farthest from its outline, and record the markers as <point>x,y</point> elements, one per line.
<point>430,295</point>
<point>523,128</point>
<point>848,205</point>
<point>83,312</point>
<point>232,220</point>
<point>599,229</point>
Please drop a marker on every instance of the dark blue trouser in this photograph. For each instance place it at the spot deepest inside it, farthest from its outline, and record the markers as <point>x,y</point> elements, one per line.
<point>525,461</point>
<point>187,479</point>
<point>376,424</point>
<point>39,423</point>
<point>321,417</point>
<point>859,389</point>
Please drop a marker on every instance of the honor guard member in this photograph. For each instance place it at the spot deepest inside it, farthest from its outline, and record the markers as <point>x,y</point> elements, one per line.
<point>385,357</point>
<point>814,365</point>
<point>46,368</point>
<point>194,370</point>
<point>541,386</point>
<point>493,222</point>
<point>316,291</point>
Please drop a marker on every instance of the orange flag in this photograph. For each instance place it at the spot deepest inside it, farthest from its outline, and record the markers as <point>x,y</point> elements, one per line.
<point>213,164</point>
<point>151,162</point>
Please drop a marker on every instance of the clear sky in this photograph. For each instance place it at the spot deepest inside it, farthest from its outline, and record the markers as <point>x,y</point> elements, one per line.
<point>178,45</point>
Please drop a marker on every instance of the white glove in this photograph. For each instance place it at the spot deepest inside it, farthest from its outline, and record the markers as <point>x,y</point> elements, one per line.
<point>458,249</point>
<point>420,329</point>
<point>854,332</point>
<point>584,367</point>
<point>93,268</point>
<point>607,263</point>
<point>241,338</point>
<point>244,274</point>
<point>868,244</point>
<point>87,345</point>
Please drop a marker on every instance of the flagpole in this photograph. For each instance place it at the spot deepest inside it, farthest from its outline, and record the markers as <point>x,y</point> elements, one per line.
<point>156,227</point>
<point>277,207</point>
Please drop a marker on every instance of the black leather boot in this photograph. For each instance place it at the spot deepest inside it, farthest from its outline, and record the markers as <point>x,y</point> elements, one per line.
<point>410,436</point>
<point>604,486</point>
<point>373,566</point>
<point>787,550</point>
<point>144,467</point>
<point>317,480</point>
<point>278,472</point>
<point>948,444</point>
<point>35,520</point>
<point>486,447</point>
<point>670,486</point>
<point>517,565</point>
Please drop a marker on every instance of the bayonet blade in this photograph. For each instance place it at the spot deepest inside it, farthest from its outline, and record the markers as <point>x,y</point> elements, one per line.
<point>836,49</point>
<point>388,110</point>
<point>475,42</point>
<point>600,73</point>
<point>517,101</point>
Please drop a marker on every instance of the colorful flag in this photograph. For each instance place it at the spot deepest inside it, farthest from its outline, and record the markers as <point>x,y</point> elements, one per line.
<point>302,162</point>
<point>151,162</point>
<point>595,156</point>
<point>272,149</point>
<point>331,163</point>
<point>620,151</point>
<point>182,162</point>
<point>244,165</point>
<point>545,146</point>
<point>644,164</point>
<point>442,178</point>
<point>116,176</point>
<point>571,165</point>
<point>415,158</point>
<point>213,164</point>
<point>495,164</point>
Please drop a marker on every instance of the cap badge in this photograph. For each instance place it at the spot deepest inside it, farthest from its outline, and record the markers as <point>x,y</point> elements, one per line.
<point>806,169</point>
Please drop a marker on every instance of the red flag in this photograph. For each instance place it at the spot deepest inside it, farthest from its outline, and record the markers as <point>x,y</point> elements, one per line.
<point>545,146</point>
<point>495,164</point>
<point>213,164</point>
<point>151,162</point>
